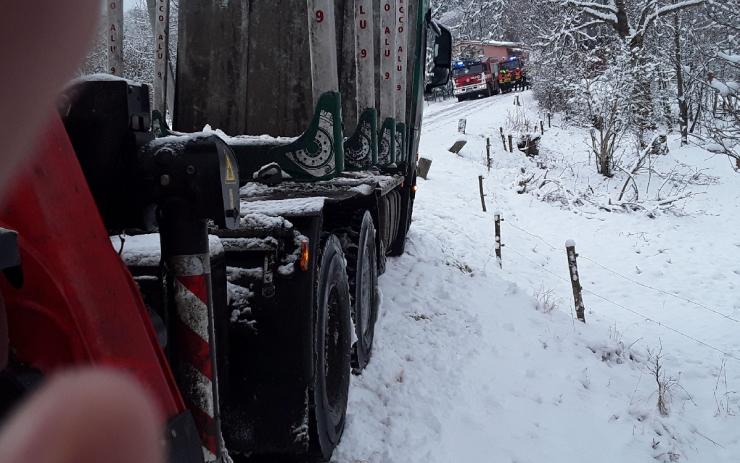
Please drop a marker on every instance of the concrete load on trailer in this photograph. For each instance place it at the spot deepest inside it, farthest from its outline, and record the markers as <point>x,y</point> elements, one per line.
<point>240,250</point>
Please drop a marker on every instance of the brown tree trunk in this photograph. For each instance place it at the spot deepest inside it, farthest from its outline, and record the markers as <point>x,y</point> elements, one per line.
<point>683,107</point>
<point>623,24</point>
<point>699,102</point>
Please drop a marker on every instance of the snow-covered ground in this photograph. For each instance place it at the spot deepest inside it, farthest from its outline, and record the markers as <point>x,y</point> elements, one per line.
<point>473,363</point>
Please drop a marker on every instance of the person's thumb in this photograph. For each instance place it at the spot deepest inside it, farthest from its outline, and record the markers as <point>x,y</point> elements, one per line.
<point>85,416</point>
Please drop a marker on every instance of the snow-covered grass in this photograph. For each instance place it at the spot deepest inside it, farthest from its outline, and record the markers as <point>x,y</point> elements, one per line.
<point>473,363</point>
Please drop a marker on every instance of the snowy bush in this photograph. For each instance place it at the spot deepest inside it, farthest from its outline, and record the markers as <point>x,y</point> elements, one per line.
<point>546,300</point>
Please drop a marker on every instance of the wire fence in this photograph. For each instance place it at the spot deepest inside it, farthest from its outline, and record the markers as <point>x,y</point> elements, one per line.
<point>622,306</point>
<point>632,280</point>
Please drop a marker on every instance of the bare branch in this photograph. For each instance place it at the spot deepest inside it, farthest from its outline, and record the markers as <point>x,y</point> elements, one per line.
<point>608,8</point>
<point>666,10</point>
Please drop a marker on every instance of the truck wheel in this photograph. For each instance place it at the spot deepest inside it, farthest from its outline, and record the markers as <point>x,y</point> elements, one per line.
<point>332,339</point>
<point>362,268</point>
<point>460,98</point>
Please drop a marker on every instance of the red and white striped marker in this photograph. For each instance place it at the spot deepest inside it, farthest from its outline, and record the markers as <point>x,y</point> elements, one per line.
<point>195,347</point>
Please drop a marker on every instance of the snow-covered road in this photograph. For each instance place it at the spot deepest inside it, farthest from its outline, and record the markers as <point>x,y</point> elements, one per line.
<point>468,368</point>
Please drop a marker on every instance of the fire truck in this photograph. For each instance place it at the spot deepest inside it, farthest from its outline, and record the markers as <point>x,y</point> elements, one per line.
<point>475,77</point>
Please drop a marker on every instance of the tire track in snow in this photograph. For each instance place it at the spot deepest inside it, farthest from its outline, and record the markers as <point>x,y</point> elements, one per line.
<point>467,108</point>
<point>417,357</point>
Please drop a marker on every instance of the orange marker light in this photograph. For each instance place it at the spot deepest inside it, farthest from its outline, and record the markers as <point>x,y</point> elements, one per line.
<point>305,256</point>
<point>414,188</point>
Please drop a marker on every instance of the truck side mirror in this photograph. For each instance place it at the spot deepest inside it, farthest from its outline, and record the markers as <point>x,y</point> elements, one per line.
<point>442,57</point>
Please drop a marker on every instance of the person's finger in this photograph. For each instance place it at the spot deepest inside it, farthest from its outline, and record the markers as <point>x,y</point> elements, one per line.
<point>86,416</point>
<point>41,45</point>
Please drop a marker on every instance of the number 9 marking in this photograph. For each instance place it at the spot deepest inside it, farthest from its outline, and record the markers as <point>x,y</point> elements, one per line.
<point>319,16</point>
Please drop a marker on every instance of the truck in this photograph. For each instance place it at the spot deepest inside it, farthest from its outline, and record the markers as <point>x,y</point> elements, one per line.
<point>230,263</point>
<point>475,77</point>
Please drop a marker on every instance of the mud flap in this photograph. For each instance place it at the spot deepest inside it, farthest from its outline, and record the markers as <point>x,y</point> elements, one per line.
<point>361,149</point>
<point>318,154</point>
<point>183,442</point>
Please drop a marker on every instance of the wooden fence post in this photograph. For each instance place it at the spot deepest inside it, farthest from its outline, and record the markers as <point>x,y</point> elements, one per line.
<point>511,146</point>
<point>482,199</point>
<point>542,127</point>
<point>503,139</point>
<point>488,154</point>
<point>570,249</point>
<point>497,228</point>
<point>548,120</point>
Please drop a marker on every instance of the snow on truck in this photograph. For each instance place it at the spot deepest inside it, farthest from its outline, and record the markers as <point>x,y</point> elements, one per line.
<point>249,291</point>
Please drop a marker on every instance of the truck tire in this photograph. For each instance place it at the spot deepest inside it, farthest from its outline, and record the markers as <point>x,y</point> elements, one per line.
<point>383,230</point>
<point>362,269</point>
<point>460,98</point>
<point>393,218</point>
<point>405,209</point>
<point>332,339</point>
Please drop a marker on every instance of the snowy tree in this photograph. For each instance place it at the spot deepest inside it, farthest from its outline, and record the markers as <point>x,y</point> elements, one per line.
<point>475,19</point>
<point>724,129</point>
<point>653,57</point>
<point>626,24</point>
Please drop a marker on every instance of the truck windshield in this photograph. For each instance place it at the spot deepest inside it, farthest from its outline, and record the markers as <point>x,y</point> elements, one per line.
<point>509,65</point>
<point>472,69</point>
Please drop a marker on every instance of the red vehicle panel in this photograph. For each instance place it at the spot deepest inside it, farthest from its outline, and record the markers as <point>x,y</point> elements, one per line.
<point>78,304</point>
